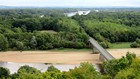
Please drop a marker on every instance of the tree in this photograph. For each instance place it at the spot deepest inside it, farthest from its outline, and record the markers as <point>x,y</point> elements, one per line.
<point>52,69</point>
<point>112,67</point>
<point>52,73</point>
<point>27,69</point>
<point>4,72</point>
<point>27,72</point>
<point>132,72</point>
<point>19,45</point>
<point>138,40</point>
<point>3,42</point>
<point>134,45</point>
<point>84,71</point>
<point>17,30</point>
<point>33,42</point>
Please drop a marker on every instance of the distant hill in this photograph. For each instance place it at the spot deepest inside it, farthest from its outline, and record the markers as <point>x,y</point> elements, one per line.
<point>14,7</point>
<point>8,7</point>
<point>4,7</point>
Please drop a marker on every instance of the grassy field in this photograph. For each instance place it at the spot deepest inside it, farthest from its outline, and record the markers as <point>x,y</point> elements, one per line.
<point>71,50</point>
<point>120,45</point>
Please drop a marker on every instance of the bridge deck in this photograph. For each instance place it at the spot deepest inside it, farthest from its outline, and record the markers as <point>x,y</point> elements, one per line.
<point>103,52</point>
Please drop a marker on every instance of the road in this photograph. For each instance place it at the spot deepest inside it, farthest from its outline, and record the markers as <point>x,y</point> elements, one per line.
<point>103,52</point>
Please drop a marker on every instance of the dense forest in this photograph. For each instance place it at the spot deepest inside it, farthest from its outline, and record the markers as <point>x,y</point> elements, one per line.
<point>42,29</point>
<point>126,67</point>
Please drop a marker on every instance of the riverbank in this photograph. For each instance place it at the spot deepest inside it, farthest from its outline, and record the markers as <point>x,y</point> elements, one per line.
<point>118,53</point>
<point>54,57</point>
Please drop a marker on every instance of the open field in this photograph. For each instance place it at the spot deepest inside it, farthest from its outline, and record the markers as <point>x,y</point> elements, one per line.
<point>117,53</point>
<point>70,50</point>
<point>49,57</point>
<point>120,45</point>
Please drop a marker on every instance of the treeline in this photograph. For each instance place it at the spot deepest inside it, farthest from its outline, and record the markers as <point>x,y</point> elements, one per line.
<point>30,12</point>
<point>130,19</point>
<point>110,27</point>
<point>42,41</point>
<point>43,34</point>
<point>52,24</point>
<point>126,67</point>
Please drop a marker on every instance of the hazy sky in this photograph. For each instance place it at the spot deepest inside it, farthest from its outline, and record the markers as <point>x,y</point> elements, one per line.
<point>72,3</point>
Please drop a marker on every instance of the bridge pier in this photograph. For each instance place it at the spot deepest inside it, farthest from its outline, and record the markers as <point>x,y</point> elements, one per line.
<point>95,50</point>
<point>101,57</point>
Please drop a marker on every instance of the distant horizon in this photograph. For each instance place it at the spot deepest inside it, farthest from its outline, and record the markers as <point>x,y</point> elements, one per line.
<point>71,3</point>
<point>74,6</point>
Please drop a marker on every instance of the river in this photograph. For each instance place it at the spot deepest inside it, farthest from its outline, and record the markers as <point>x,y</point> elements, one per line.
<point>13,67</point>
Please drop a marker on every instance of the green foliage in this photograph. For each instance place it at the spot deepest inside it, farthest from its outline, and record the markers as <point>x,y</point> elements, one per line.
<point>120,45</point>
<point>27,69</point>
<point>52,69</point>
<point>33,42</point>
<point>99,37</point>
<point>106,27</point>
<point>125,74</point>
<point>113,26</point>
<point>29,24</point>
<point>52,75</point>
<point>84,71</point>
<point>112,67</point>
<point>4,72</point>
<point>138,40</point>
<point>65,24</point>
<point>134,45</point>
<point>133,72</point>
<point>27,72</point>
<point>106,30</point>
<point>17,30</point>
<point>3,42</point>
<point>105,44</point>
<point>19,45</point>
<point>45,40</point>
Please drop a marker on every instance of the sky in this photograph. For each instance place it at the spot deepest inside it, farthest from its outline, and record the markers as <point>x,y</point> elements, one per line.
<point>71,3</point>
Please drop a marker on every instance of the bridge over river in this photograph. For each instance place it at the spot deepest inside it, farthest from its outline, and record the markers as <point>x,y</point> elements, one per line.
<point>98,48</point>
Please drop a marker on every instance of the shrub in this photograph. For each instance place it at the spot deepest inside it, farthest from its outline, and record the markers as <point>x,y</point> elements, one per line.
<point>19,45</point>
<point>28,69</point>
<point>133,72</point>
<point>84,71</point>
<point>134,45</point>
<point>112,67</point>
<point>138,40</point>
<point>105,44</point>
<point>4,72</point>
<point>52,69</point>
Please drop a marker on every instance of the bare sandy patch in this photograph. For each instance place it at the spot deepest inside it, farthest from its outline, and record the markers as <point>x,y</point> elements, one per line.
<point>118,53</point>
<point>49,57</point>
